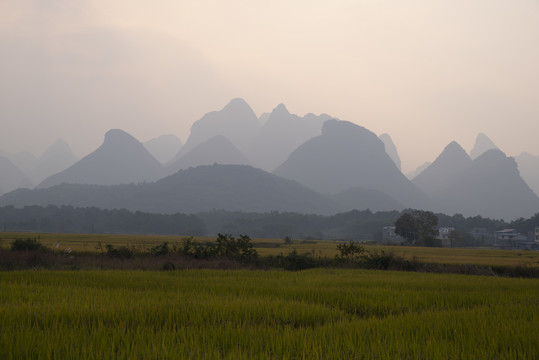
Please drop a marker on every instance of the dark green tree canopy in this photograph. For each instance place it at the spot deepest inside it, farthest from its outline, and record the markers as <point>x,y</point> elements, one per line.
<point>417,225</point>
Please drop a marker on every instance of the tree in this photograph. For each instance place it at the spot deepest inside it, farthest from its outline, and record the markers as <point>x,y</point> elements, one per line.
<point>350,252</point>
<point>406,227</point>
<point>418,225</point>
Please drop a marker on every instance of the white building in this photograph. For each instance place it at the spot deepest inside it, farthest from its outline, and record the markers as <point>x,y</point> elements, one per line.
<point>443,234</point>
<point>511,239</point>
<point>389,236</point>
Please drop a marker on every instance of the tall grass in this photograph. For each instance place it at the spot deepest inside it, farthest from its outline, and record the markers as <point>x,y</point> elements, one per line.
<point>315,314</point>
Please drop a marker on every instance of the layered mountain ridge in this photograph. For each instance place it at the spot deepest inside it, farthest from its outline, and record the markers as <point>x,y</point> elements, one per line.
<point>335,166</point>
<point>121,159</point>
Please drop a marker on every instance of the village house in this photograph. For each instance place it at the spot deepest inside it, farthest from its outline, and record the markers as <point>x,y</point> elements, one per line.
<point>443,235</point>
<point>511,239</point>
<point>389,236</point>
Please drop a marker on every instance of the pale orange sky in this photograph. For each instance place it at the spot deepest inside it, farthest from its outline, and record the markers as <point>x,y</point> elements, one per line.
<point>426,72</point>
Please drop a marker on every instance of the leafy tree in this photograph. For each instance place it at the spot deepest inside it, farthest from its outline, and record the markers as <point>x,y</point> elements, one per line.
<point>406,227</point>
<point>417,226</point>
<point>239,249</point>
<point>350,252</point>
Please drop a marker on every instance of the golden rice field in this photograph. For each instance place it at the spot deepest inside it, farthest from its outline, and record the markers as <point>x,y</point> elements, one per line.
<point>92,243</point>
<point>243,314</point>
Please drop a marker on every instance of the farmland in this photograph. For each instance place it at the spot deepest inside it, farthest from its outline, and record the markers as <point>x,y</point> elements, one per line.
<point>212,314</point>
<point>205,311</point>
<point>95,242</point>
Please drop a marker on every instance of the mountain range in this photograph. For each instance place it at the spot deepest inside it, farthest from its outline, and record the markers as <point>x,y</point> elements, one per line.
<point>11,177</point>
<point>236,121</point>
<point>217,149</point>
<point>489,185</point>
<point>164,147</point>
<point>347,156</point>
<point>444,170</point>
<point>204,188</point>
<point>492,187</point>
<point>121,159</point>
<point>528,165</point>
<point>281,134</point>
<point>322,165</point>
<point>54,159</point>
<point>482,145</point>
<point>391,149</point>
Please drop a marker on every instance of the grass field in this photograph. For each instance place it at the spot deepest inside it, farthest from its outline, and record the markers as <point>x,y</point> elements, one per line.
<point>314,314</point>
<point>91,243</point>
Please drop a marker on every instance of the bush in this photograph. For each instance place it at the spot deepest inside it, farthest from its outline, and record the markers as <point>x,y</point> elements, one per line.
<point>350,252</point>
<point>239,249</point>
<point>123,252</point>
<point>160,250</point>
<point>379,260</point>
<point>27,245</point>
<point>226,246</point>
<point>295,261</point>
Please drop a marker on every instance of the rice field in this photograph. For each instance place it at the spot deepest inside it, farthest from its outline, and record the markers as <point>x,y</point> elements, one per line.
<point>242,314</point>
<point>322,248</point>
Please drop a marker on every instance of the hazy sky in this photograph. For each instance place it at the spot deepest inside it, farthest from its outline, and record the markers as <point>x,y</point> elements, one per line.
<point>426,72</point>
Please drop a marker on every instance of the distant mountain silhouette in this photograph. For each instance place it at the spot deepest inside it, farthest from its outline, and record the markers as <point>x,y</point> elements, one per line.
<point>215,150</point>
<point>281,134</point>
<point>264,117</point>
<point>164,147</point>
<point>205,188</point>
<point>236,121</point>
<point>347,156</point>
<point>491,187</point>
<point>363,199</point>
<point>482,145</point>
<point>23,160</point>
<point>121,159</point>
<point>412,174</point>
<point>528,166</point>
<point>11,177</point>
<point>391,149</point>
<point>56,158</point>
<point>444,170</point>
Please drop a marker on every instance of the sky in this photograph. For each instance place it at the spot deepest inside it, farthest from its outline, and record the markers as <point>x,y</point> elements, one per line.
<point>426,72</point>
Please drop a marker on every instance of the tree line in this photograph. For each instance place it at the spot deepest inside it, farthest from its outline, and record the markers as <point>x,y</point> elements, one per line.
<point>354,225</point>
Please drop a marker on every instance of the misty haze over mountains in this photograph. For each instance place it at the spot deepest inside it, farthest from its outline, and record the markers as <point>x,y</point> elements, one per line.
<point>164,147</point>
<point>121,159</point>
<point>321,165</point>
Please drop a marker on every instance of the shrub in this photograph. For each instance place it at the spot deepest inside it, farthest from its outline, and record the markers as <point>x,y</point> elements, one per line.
<point>350,252</point>
<point>27,245</point>
<point>160,250</point>
<point>379,260</point>
<point>295,261</point>
<point>123,252</point>
<point>226,246</point>
<point>239,249</point>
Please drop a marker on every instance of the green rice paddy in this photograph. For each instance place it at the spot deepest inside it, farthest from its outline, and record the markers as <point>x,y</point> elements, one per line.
<point>245,314</point>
